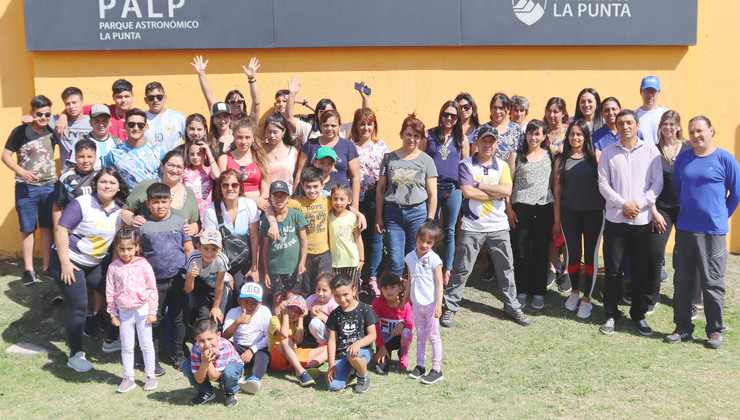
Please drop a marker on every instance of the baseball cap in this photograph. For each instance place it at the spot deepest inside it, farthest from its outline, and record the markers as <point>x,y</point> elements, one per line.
<point>279,186</point>
<point>298,302</point>
<point>650,82</point>
<point>210,236</point>
<point>486,130</point>
<point>325,151</point>
<point>220,108</point>
<point>99,109</point>
<point>251,290</point>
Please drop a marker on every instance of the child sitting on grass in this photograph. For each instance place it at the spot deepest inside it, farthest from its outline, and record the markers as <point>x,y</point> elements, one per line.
<point>213,358</point>
<point>284,333</point>
<point>394,331</point>
<point>351,332</point>
<point>320,305</point>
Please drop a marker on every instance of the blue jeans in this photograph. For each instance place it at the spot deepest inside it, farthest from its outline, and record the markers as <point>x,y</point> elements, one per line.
<point>449,201</point>
<point>229,377</point>
<point>373,240</point>
<point>343,369</point>
<point>401,225</point>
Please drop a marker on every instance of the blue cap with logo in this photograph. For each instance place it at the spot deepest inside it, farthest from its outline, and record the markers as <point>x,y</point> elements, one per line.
<point>650,82</point>
<point>251,290</point>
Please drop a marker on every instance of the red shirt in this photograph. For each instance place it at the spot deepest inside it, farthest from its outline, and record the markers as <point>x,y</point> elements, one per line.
<point>117,122</point>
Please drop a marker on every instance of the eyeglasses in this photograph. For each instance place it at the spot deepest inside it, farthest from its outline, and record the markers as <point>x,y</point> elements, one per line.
<point>132,124</point>
<point>153,97</point>
<point>233,185</point>
<point>235,101</point>
<point>466,107</point>
<point>448,115</point>
<point>43,114</point>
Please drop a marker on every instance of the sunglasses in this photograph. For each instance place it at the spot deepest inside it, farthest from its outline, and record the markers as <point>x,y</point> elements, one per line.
<point>153,97</point>
<point>448,115</point>
<point>233,185</point>
<point>43,114</point>
<point>132,124</point>
<point>466,107</point>
<point>235,101</point>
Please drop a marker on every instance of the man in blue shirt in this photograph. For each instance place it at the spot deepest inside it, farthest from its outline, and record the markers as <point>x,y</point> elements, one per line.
<point>707,182</point>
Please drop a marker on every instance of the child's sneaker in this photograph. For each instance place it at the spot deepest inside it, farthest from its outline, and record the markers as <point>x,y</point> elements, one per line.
<point>432,377</point>
<point>571,303</point>
<point>250,385</point>
<point>28,278</point>
<point>111,346</point>
<point>150,384</point>
<point>126,385</point>
<point>363,384</point>
<point>203,397</point>
<point>230,399</point>
<point>403,363</point>
<point>584,310</point>
<point>79,363</point>
<point>417,373</point>
<point>306,379</point>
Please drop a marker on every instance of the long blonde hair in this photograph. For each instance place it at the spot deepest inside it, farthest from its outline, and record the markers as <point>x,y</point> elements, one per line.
<point>258,152</point>
<point>669,115</point>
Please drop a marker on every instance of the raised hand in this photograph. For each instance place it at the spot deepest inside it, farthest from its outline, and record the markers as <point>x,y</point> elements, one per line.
<point>250,71</point>
<point>199,64</point>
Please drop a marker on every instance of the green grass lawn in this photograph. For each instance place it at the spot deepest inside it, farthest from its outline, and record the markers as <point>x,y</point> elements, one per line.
<point>558,367</point>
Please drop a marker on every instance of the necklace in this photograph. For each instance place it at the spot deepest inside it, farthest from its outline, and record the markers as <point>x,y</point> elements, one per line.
<point>173,192</point>
<point>444,148</point>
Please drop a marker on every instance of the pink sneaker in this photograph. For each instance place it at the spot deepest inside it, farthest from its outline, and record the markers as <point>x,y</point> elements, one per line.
<point>126,385</point>
<point>150,384</point>
<point>403,363</point>
<point>374,286</point>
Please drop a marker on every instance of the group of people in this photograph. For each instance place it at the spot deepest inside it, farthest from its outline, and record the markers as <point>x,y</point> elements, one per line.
<point>160,214</point>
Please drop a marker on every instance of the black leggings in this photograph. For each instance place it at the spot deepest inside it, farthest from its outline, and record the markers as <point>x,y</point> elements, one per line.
<point>530,241</point>
<point>171,297</point>
<point>582,230</point>
<point>658,243</point>
<point>75,297</point>
<point>259,362</point>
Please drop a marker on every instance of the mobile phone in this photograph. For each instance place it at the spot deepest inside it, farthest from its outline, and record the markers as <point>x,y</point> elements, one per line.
<point>363,88</point>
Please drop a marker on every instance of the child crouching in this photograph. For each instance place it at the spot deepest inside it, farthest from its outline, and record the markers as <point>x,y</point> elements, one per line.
<point>394,331</point>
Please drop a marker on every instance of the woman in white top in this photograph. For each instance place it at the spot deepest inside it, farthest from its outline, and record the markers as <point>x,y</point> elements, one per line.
<point>281,155</point>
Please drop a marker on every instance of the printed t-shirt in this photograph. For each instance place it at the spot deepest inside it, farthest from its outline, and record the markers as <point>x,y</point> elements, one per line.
<point>406,179</point>
<point>34,152</point>
<point>71,185</point>
<point>283,255</point>
<point>91,227</point>
<point>421,273</point>
<point>136,164</point>
<point>166,129</point>
<point>162,245</point>
<point>486,215</point>
<point>317,230</point>
<point>76,130</point>
<point>351,326</point>
<point>208,275</point>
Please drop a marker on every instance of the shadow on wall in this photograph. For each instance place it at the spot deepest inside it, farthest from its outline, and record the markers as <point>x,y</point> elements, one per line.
<point>16,67</point>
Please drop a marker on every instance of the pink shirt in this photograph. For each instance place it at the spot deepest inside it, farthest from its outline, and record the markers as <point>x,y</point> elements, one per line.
<point>130,286</point>
<point>199,180</point>
<point>389,318</point>
<point>251,175</point>
<point>326,309</point>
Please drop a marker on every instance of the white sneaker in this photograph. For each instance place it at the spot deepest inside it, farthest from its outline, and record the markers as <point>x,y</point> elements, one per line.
<point>584,310</point>
<point>572,303</point>
<point>79,363</point>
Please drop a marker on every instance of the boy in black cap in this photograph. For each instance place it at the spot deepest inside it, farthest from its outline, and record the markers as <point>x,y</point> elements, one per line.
<point>284,259</point>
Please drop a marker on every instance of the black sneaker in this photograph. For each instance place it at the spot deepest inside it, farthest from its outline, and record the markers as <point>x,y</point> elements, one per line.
<point>28,278</point>
<point>448,318</point>
<point>551,277</point>
<point>159,370</point>
<point>230,399</point>
<point>177,361</point>
<point>565,285</point>
<point>363,384</point>
<point>643,327</point>
<point>418,372</point>
<point>518,317</point>
<point>715,341</point>
<point>679,337</point>
<point>91,326</point>
<point>47,275</point>
<point>203,397</point>
<point>306,379</point>
<point>382,368</point>
<point>694,312</point>
<point>650,309</point>
<point>101,320</point>
<point>57,301</point>
<point>608,326</point>
<point>432,377</point>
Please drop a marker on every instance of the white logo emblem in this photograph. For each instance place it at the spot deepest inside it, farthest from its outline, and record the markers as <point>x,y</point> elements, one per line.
<point>529,11</point>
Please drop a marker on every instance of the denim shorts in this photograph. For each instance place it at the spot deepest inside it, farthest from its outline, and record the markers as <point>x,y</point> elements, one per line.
<point>33,202</point>
<point>343,368</point>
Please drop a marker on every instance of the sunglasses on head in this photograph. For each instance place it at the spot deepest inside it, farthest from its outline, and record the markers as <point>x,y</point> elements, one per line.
<point>448,115</point>
<point>153,97</point>
<point>43,114</point>
<point>132,124</point>
<point>232,185</point>
<point>466,107</point>
<point>235,101</point>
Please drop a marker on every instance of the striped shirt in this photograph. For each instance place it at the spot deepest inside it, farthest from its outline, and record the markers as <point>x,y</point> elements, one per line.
<point>226,354</point>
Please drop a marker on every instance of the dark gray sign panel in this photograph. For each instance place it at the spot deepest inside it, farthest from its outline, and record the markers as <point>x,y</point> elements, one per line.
<point>212,24</point>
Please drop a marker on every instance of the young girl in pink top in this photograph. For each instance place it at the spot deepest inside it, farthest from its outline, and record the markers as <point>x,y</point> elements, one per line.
<point>320,305</point>
<point>131,292</point>
<point>394,331</point>
<point>201,167</point>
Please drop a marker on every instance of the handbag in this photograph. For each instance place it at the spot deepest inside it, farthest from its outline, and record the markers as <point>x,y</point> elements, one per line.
<point>235,248</point>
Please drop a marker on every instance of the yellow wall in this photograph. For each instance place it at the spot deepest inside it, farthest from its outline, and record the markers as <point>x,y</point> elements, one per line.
<point>694,79</point>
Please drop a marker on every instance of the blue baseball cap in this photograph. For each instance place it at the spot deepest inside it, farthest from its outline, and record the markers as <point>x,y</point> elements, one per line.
<point>650,82</point>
